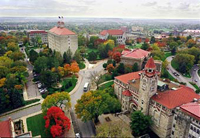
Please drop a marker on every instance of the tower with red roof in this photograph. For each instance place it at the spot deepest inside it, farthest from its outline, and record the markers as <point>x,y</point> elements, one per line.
<point>148,85</point>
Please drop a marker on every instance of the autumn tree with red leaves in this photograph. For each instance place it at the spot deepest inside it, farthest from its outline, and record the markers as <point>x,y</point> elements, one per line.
<point>116,56</point>
<point>110,68</point>
<point>56,121</point>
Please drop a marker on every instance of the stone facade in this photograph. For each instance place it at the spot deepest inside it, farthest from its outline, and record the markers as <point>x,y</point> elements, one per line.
<point>63,41</point>
<point>138,91</point>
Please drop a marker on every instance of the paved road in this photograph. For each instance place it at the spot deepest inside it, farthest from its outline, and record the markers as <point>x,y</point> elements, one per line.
<point>21,113</point>
<point>87,129</point>
<point>195,76</point>
<point>180,78</point>
<point>32,90</point>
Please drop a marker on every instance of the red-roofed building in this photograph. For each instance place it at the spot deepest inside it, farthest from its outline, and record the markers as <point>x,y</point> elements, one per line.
<point>130,57</point>
<point>187,120</point>
<point>61,39</point>
<point>145,91</point>
<point>119,34</point>
<point>6,128</point>
<point>33,35</point>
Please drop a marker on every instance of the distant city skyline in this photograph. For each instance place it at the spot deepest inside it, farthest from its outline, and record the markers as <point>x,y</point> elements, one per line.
<point>144,9</point>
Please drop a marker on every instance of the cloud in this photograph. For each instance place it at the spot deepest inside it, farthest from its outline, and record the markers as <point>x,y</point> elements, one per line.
<point>150,4</point>
<point>184,6</point>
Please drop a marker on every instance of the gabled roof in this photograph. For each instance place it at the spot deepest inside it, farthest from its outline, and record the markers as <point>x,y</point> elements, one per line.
<point>104,32</point>
<point>192,109</point>
<point>127,77</point>
<point>126,93</point>
<point>112,32</point>
<point>150,64</point>
<point>5,129</point>
<point>135,53</point>
<point>61,31</point>
<point>175,98</point>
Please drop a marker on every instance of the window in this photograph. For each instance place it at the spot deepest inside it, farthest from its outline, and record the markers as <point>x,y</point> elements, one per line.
<point>194,129</point>
<point>174,125</point>
<point>175,118</point>
<point>191,127</point>
<point>172,132</point>
<point>197,131</point>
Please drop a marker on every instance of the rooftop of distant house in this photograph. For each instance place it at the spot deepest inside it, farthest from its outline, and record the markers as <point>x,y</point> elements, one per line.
<point>135,53</point>
<point>37,32</point>
<point>112,32</point>
<point>192,108</point>
<point>191,31</point>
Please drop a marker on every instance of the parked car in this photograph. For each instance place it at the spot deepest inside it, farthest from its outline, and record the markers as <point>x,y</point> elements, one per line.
<point>77,135</point>
<point>195,80</point>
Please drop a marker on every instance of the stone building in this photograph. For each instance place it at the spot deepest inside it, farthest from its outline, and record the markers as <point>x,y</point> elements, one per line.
<point>139,56</point>
<point>119,34</point>
<point>145,91</point>
<point>61,39</point>
<point>32,36</point>
<point>186,122</point>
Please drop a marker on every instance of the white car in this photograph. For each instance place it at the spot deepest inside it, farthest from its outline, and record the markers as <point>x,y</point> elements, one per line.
<point>77,135</point>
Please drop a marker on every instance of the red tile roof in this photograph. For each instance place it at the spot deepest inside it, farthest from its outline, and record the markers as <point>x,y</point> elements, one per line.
<point>61,31</point>
<point>150,64</point>
<point>130,76</point>
<point>192,109</point>
<point>174,98</point>
<point>127,93</point>
<point>38,32</point>
<point>112,32</point>
<point>104,32</point>
<point>126,51</point>
<point>5,129</point>
<point>136,53</point>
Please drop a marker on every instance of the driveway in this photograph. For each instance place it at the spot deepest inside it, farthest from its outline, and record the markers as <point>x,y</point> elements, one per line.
<point>31,88</point>
<point>87,129</point>
<point>180,78</point>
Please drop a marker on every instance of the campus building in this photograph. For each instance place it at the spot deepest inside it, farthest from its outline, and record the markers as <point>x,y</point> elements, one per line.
<point>119,34</point>
<point>32,36</point>
<point>61,39</point>
<point>145,91</point>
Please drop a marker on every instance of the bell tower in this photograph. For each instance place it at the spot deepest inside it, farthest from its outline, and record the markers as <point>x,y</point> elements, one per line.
<point>148,85</point>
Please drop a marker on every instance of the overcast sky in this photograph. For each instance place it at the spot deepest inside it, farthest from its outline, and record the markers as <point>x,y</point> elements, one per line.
<point>167,9</point>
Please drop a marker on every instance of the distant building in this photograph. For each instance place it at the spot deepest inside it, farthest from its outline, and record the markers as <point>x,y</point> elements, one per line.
<point>33,34</point>
<point>190,32</point>
<point>61,39</point>
<point>124,29</point>
<point>186,122</point>
<point>145,91</point>
<point>119,34</point>
<point>137,29</point>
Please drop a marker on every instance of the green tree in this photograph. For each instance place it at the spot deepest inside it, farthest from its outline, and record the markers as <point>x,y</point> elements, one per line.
<point>16,99</point>
<point>135,67</point>
<point>41,64</point>
<point>58,99</point>
<point>92,56</point>
<point>17,55</point>
<point>145,46</point>
<point>3,71</point>
<point>140,123</point>
<point>94,103</point>
<point>5,61</point>
<point>33,55</point>
<point>105,65</point>
<point>184,61</point>
<point>77,57</point>
<point>173,46</point>
<point>81,40</point>
<point>49,78</point>
<point>67,56</point>
<point>121,68</point>
<point>153,40</point>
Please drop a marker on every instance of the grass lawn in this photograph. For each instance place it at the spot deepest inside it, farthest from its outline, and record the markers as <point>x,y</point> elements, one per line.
<point>167,54</point>
<point>195,86</point>
<point>134,46</point>
<point>88,50</point>
<point>36,124</point>
<point>31,101</point>
<point>106,85</point>
<point>82,65</point>
<point>73,84</point>
<point>106,77</point>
